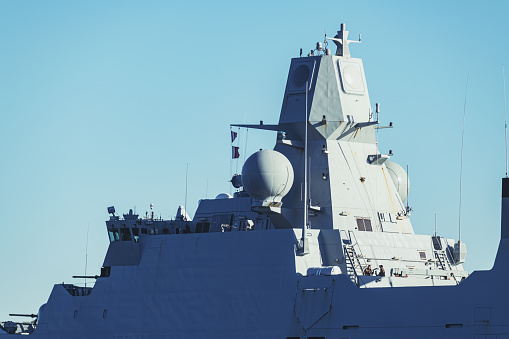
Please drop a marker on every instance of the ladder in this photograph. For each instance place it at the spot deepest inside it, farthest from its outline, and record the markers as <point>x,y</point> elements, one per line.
<point>354,260</point>
<point>443,262</point>
<point>354,263</point>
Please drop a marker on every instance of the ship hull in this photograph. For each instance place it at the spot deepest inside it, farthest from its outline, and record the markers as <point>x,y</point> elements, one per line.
<point>245,285</point>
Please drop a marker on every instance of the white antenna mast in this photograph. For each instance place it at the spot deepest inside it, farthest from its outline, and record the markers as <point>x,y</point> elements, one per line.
<point>461,159</point>
<point>505,112</point>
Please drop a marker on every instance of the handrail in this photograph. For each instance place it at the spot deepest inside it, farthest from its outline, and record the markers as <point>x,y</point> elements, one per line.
<point>356,244</point>
<point>350,236</point>
<point>356,277</point>
<point>451,255</point>
<point>447,257</point>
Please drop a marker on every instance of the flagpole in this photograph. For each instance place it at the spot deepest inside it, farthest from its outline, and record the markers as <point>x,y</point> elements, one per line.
<point>231,159</point>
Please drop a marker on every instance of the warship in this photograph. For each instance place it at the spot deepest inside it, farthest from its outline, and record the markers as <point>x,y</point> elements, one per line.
<point>316,242</point>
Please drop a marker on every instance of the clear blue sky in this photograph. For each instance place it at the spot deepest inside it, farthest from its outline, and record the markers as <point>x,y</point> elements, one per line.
<point>104,102</point>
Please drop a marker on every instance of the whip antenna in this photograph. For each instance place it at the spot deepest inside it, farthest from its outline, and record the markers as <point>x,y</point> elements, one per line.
<point>86,256</point>
<point>461,158</point>
<point>505,112</point>
<point>185,200</point>
<point>435,224</point>
<point>407,191</point>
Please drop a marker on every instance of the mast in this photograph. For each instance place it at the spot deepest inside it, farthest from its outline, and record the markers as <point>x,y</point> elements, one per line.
<point>305,245</point>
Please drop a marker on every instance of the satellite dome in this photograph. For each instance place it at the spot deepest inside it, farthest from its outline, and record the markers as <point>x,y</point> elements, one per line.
<point>399,178</point>
<point>267,175</point>
<point>223,196</point>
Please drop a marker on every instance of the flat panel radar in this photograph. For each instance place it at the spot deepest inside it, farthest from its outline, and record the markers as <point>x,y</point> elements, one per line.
<point>351,77</point>
<point>300,73</point>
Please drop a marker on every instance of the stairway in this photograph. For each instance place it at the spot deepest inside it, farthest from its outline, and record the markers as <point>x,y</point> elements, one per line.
<point>442,260</point>
<point>355,264</point>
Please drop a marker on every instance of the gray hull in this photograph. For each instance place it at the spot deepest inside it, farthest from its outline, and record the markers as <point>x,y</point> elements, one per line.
<point>244,285</point>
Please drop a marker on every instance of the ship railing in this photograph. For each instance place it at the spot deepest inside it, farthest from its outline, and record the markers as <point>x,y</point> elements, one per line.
<point>450,257</point>
<point>356,245</point>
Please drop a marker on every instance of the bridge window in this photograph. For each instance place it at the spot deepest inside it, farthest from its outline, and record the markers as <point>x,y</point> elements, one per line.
<point>136,234</point>
<point>114,236</point>
<point>364,224</point>
<point>125,234</point>
<point>202,227</point>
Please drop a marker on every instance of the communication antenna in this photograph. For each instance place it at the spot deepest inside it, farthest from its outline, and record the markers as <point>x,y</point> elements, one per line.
<point>86,256</point>
<point>505,112</point>
<point>435,224</point>
<point>245,145</point>
<point>185,201</point>
<point>238,143</point>
<point>461,158</point>
<point>407,189</point>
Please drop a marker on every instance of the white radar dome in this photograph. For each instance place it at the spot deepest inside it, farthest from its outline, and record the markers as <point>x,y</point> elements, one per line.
<point>399,178</point>
<point>223,196</point>
<point>267,175</point>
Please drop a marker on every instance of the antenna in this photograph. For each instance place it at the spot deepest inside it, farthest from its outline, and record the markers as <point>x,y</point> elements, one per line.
<point>435,224</point>
<point>505,112</point>
<point>461,158</point>
<point>86,256</point>
<point>238,143</point>
<point>185,201</point>
<point>245,145</point>
<point>407,205</point>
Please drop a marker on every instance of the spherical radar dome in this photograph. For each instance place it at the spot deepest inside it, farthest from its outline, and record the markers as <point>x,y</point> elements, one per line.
<point>399,178</point>
<point>267,175</point>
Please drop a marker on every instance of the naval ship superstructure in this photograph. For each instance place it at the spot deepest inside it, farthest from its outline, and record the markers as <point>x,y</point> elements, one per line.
<point>289,254</point>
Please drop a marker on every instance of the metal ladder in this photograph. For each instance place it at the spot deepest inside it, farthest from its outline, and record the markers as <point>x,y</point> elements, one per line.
<point>355,263</point>
<point>442,259</point>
